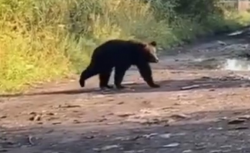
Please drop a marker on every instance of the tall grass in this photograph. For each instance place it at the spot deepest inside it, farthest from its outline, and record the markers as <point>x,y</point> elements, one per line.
<point>41,40</point>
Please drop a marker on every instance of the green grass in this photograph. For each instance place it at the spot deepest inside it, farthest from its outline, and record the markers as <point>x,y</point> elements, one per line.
<point>50,39</point>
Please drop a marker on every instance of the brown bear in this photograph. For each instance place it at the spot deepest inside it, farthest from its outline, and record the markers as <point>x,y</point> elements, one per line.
<point>121,55</point>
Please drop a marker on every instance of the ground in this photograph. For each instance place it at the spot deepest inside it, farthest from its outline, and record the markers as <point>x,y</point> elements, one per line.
<point>198,109</point>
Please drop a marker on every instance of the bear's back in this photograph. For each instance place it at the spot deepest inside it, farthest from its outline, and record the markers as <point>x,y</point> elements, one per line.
<point>117,51</point>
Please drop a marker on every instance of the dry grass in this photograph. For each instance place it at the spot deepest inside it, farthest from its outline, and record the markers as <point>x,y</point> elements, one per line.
<point>44,40</point>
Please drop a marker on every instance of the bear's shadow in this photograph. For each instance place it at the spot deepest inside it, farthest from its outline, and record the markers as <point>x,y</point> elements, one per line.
<point>166,86</point>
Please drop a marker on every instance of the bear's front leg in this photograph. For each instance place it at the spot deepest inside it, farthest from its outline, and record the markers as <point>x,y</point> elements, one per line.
<point>146,73</point>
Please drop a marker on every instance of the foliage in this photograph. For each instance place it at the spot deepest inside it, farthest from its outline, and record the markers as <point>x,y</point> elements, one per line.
<point>48,39</point>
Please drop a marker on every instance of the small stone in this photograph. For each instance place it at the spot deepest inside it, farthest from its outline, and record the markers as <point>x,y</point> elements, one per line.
<point>236,121</point>
<point>52,118</point>
<point>76,122</point>
<point>122,138</point>
<point>166,136</point>
<point>147,136</point>
<point>120,103</point>
<point>179,116</point>
<point>51,114</point>
<point>89,137</point>
<point>35,118</point>
<point>226,146</point>
<point>246,117</point>
<point>172,145</point>
<point>3,117</point>
<point>33,113</point>
<point>56,123</point>
<point>200,146</point>
<point>109,147</point>
<point>240,128</point>
<point>151,121</point>
<point>69,106</point>
<point>124,114</point>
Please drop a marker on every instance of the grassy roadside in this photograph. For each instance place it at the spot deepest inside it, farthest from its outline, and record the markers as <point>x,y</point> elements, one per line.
<point>44,40</point>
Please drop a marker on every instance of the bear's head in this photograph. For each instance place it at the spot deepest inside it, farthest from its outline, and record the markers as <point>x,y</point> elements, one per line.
<point>151,52</point>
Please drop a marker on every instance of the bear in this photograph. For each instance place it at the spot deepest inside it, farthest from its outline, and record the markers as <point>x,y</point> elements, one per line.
<point>121,55</point>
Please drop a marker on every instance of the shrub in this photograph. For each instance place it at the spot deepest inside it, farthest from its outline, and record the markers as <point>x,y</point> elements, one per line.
<point>48,39</point>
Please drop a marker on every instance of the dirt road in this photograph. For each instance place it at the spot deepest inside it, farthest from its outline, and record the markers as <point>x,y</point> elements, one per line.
<point>198,109</point>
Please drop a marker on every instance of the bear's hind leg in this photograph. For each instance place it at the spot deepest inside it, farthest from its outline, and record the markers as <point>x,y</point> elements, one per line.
<point>119,75</point>
<point>104,79</point>
<point>89,72</point>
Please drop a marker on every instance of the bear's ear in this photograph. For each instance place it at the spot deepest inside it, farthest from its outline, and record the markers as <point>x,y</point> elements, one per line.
<point>153,43</point>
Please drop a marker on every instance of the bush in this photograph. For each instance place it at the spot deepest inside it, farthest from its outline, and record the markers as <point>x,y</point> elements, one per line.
<point>48,39</point>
